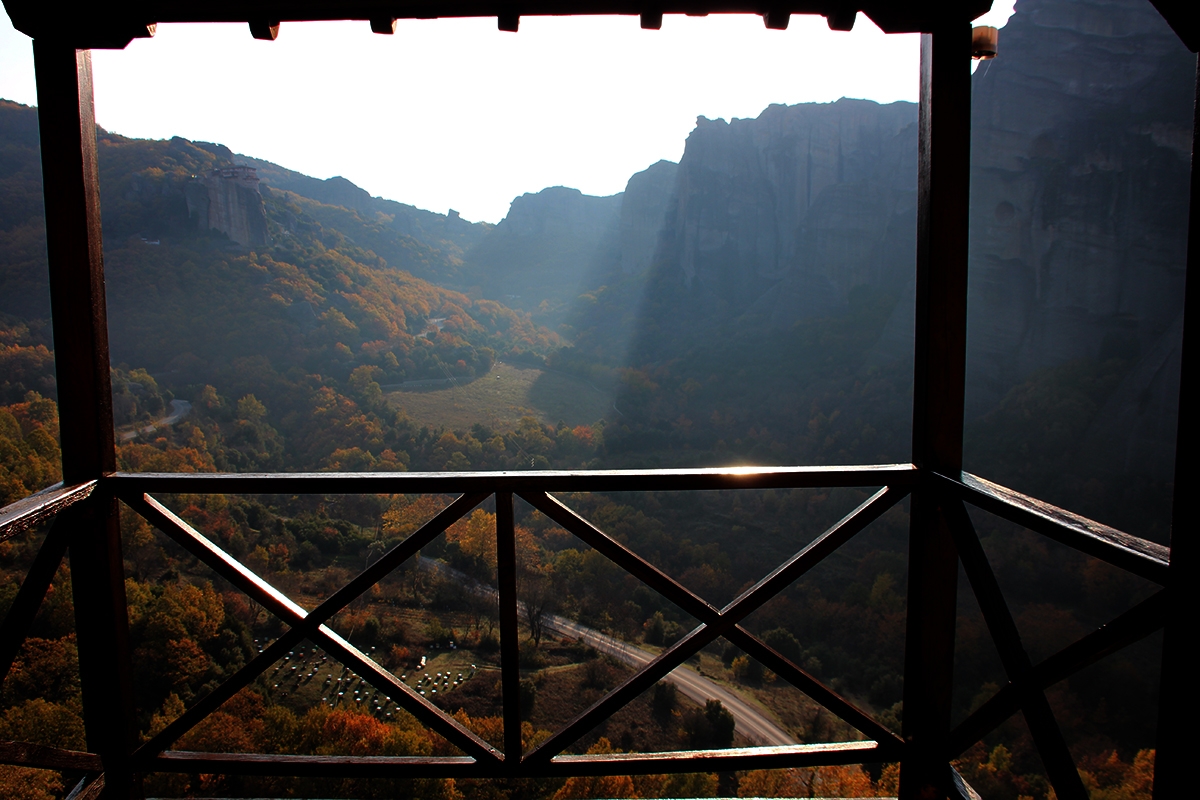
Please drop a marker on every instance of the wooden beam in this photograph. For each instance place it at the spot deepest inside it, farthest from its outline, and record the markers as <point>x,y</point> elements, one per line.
<point>943,197</point>
<point>1142,557</point>
<point>102,634</point>
<point>22,515</point>
<point>71,183</point>
<point>114,26</point>
<point>654,480</point>
<point>510,656</point>
<point>25,754</point>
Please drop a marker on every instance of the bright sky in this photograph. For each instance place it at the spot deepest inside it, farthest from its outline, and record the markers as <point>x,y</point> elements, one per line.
<point>456,114</point>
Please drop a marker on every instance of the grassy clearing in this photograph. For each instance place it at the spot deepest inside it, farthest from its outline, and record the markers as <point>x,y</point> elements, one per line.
<point>500,398</point>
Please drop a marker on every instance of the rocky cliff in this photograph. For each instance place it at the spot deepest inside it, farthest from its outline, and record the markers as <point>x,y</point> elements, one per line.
<point>1081,139</point>
<point>547,250</point>
<point>782,215</point>
<point>1081,142</point>
<point>644,205</point>
<point>228,200</point>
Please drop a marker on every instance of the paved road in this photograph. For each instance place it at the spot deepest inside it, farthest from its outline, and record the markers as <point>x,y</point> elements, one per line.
<point>179,410</point>
<point>750,721</point>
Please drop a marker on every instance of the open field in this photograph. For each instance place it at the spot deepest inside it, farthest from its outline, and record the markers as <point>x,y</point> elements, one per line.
<point>502,397</point>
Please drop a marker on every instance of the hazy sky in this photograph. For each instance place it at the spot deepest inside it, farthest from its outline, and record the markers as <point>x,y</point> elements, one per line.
<point>455,114</point>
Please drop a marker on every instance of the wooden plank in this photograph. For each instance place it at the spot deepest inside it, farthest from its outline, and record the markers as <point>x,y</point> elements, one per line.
<point>805,755</point>
<point>661,480</point>
<point>22,515</point>
<point>24,754</point>
<point>1131,553</point>
<point>943,202</point>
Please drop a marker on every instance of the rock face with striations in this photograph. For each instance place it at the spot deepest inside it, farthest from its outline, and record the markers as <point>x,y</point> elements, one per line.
<point>1081,142</point>
<point>782,215</point>
<point>648,196</point>
<point>228,200</point>
<point>546,248</point>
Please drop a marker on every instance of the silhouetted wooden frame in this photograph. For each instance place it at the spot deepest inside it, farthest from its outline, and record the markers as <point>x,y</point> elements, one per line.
<point>85,508</point>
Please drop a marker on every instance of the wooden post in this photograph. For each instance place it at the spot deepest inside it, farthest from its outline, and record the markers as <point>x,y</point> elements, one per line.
<point>71,183</point>
<point>510,658</point>
<point>943,197</point>
<point>1177,696</point>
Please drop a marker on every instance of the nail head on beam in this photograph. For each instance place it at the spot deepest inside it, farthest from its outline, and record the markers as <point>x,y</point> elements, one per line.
<point>385,25</point>
<point>842,19</point>
<point>652,20</point>
<point>267,30</point>
<point>777,20</point>
<point>508,22</point>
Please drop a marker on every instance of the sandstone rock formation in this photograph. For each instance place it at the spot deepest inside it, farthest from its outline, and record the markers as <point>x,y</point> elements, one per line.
<point>228,200</point>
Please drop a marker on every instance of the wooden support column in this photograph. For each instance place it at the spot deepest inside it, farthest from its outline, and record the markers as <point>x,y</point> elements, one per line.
<point>1177,706</point>
<point>510,656</point>
<point>72,191</point>
<point>943,197</point>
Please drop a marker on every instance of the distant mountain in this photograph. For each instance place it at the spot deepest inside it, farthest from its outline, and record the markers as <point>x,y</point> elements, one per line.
<point>207,265</point>
<point>557,244</point>
<point>551,247</point>
<point>383,222</point>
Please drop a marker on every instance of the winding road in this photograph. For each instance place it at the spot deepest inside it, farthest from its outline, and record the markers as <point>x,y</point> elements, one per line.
<point>179,410</point>
<point>749,721</point>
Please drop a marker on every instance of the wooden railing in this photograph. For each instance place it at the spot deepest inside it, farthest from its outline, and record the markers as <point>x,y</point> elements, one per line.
<point>1024,692</point>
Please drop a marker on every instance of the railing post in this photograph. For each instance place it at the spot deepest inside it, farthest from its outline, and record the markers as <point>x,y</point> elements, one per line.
<point>1177,696</point>
<point>510,655</point>
<point>71,183</point>
<point>943,195</point>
